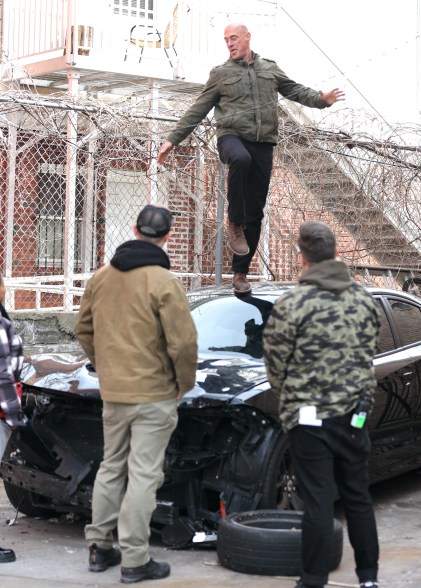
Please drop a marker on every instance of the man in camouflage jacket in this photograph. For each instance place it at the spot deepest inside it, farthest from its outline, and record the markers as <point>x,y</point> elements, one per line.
<point>244,93</point>
<point>319,345</point>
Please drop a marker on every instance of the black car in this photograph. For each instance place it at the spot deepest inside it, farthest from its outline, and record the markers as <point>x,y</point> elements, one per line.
<point>228,453</point>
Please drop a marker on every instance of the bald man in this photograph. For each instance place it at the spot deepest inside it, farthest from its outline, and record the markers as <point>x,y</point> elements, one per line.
<point>244,92</point>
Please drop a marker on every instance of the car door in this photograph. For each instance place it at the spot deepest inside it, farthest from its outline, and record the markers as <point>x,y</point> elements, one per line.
<point>407,320</point>
<point>397,400</point>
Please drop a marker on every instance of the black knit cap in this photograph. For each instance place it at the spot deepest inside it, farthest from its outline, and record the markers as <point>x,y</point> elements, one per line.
<point>154,221</point>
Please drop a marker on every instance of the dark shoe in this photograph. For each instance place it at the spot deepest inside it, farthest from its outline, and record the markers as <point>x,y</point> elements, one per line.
<point>153,570</point>
<point>300,584</point>
<point>369,584</point>
<point>7,555</point>
<point>236,240</point>
<point>101,559</point>
<point>241,284</point>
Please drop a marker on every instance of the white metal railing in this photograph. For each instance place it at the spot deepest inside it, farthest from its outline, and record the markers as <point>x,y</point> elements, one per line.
<point>125,32</point>
<point>43,285</point>
<point>57,285</point>
<point>33,27</point>
<point>176,38</point>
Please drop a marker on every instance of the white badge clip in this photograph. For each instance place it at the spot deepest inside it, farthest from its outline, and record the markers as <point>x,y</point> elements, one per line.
<point>308,416</point>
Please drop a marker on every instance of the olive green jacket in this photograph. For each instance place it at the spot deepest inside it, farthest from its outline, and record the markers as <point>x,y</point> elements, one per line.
<point>245,98</point>
<point>319,344</point>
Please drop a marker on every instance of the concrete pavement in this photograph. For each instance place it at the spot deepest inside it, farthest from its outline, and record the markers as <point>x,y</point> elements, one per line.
<point>52,553</point>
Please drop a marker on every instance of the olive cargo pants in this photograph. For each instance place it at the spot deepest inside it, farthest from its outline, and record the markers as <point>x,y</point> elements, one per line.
<point>135,439</point>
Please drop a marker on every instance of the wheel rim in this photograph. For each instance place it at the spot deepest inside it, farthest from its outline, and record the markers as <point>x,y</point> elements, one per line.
<point>287,497</point>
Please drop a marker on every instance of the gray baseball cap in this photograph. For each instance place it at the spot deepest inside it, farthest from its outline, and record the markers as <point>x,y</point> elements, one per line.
<point>154,221</point>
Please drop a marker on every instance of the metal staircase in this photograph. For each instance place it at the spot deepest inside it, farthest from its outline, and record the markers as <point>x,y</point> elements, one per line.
<point>387,233</point>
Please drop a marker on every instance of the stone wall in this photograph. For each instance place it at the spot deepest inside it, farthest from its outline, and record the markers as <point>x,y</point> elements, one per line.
<point>46,332</point>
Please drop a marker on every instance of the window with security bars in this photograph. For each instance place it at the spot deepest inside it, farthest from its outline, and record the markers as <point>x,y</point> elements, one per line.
<point>134,8</point>
<point>51,216</point>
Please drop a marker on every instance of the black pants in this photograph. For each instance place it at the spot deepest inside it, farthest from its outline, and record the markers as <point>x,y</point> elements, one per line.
<point>321,456</point>
<point>250,168</point>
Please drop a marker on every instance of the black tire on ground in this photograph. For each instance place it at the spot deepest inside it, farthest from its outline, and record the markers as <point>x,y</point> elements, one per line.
<point>267,542</point>
<point>22,500</point>
<point>279,486</point>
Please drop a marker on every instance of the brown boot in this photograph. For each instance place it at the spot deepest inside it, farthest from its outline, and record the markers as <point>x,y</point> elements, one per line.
<point>241,284</point>
<point>236,240</point>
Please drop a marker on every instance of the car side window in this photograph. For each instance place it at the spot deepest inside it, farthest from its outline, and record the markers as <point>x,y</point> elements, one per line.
<point>385,342</point>
<point>407,319</point>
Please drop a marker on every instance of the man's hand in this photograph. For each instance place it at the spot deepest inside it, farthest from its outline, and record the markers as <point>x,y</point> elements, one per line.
<point>332,96</point>
<point>164,151</point>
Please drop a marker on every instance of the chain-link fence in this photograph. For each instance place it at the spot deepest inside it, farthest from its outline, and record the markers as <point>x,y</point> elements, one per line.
<point>75,175</point>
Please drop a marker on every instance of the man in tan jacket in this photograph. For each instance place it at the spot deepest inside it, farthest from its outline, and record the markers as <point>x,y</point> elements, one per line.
<point>135,326</point>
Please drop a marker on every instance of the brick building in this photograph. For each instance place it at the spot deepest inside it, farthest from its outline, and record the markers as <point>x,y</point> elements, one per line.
<point>82,117</point>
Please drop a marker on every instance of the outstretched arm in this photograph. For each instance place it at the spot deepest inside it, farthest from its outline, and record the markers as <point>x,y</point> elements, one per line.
<point>164,151</point>
<point>192,117</point>
<point>303,94</point>
<point>333,96</point>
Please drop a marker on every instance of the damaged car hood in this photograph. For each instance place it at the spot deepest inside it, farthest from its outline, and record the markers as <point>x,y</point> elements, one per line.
<point>216,376</point>
<point>225,378</point>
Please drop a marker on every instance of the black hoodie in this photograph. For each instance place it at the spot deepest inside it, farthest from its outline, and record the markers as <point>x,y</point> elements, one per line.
<point>134,254</point>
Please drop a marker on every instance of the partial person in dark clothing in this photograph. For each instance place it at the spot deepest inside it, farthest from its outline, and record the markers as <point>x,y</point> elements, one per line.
<point>135,326</point>
<point>319,344</point>
<point>244,92</point>
<point>11,414</point>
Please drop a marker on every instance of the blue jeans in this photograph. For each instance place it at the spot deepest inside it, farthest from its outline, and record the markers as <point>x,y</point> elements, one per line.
<point>250,168</point>
<point>322,456</point>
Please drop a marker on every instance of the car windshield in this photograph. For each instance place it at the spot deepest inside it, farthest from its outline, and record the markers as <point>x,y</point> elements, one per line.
<point>232,325</point>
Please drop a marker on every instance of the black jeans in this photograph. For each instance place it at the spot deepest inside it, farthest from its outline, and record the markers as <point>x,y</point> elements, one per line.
<point>250,168</point>
<point>321,456</point>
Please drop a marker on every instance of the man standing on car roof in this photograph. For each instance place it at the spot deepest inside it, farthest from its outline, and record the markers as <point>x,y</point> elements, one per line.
<point>319,345</point>
<point>11,414</point>
<point>244,92</point>
<point>135,326</point>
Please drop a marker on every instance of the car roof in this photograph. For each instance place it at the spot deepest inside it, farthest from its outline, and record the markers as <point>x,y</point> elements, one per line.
<point>278,288</point>
<point>382,291</point>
